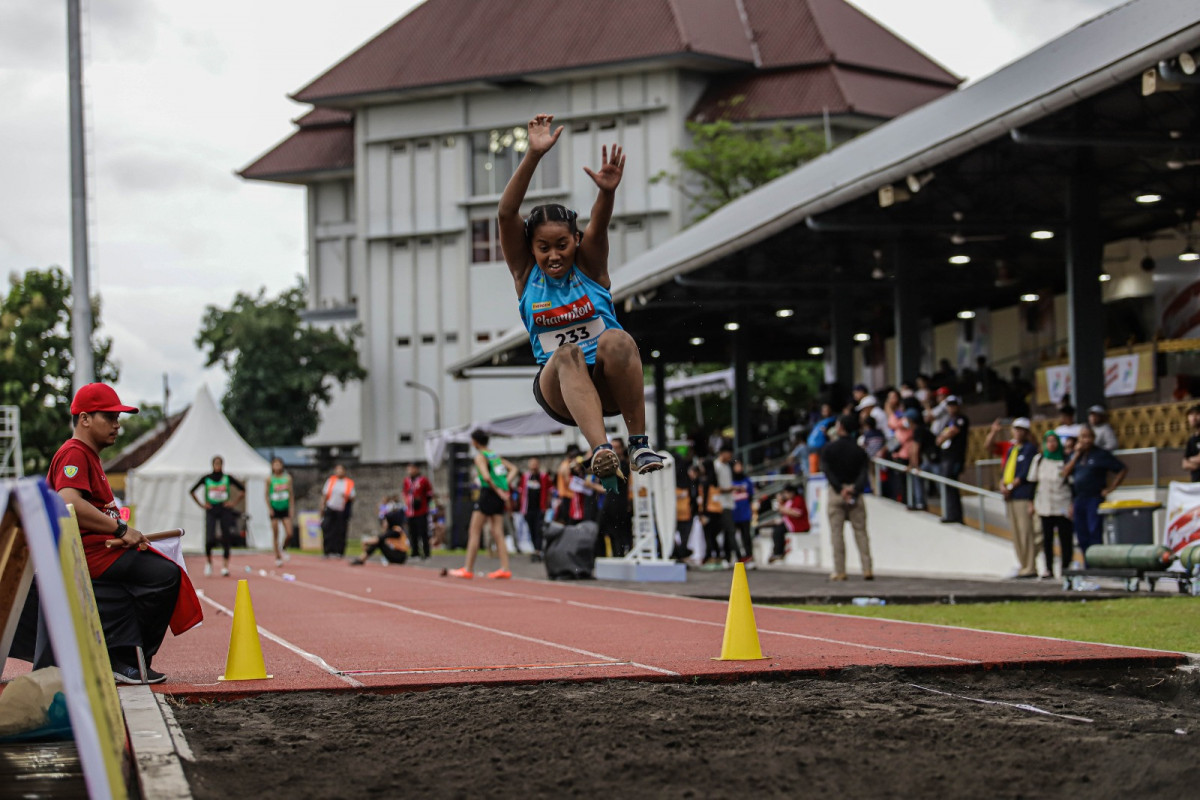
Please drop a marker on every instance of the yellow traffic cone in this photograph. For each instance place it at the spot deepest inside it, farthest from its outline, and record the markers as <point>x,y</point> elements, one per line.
<point>245,660</point>
<point>741,634</point>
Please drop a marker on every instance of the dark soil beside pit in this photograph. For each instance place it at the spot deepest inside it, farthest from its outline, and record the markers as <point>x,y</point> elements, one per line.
<point>862,733</point>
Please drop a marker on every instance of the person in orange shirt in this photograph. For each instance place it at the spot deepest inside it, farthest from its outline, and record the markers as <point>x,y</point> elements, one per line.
<point>337,500</point>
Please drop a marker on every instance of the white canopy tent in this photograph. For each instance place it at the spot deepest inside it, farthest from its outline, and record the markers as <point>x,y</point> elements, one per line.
<point>529,423</point>
<point>159,487</point>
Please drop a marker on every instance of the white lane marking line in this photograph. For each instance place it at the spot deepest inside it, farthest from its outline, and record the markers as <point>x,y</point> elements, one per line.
<point>439,670</point>
<point>774,633</point>
<point>595,607</point>
<point>1019,706</point>
<point>475,626</point>
<point>279,640</point>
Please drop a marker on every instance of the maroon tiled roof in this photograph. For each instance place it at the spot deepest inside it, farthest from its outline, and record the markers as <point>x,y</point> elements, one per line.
<point>810,91</point>
<point>793,32</point>
<point>453,41</point>
<point>323,117</point>
<point>311,149</point>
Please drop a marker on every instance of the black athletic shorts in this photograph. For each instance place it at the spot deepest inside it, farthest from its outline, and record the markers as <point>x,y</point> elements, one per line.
<point>489,503</point>
<point>277,513</point>
<point>554,415</point>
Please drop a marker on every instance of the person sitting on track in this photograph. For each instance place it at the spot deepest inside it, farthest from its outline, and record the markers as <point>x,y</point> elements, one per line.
<point>590,367</point>
<point>392,541</point>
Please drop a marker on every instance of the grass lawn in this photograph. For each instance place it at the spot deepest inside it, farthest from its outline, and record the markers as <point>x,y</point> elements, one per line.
<point>1164,623</point>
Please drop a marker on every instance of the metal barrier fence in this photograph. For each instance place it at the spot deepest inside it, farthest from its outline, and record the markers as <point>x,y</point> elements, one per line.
<point>943,483</point>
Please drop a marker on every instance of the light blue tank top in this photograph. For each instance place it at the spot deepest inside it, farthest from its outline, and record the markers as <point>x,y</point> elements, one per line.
<point>571,310</point>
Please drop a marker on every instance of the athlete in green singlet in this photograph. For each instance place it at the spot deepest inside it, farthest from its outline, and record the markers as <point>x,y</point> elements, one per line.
<point>282,505</point>
<point>496,475</point>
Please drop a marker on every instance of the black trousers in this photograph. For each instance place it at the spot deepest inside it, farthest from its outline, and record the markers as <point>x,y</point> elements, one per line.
<point>224,516</point>
<point>135,598</point>
<point>418,535</point>
<point>333,532</point>
<point>743,529</point>
<point>731,547</point>
<point>1064,530</point>
<point>534,519</point>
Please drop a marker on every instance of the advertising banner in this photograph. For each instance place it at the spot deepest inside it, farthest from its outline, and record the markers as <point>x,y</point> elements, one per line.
<point>1183,516</point>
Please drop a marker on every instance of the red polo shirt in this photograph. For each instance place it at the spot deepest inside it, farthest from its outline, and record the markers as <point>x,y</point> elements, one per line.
<point>76,466</point>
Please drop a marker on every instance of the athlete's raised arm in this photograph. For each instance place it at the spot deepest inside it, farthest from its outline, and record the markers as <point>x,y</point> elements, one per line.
<point>513,242</point>
<point>593,250</point>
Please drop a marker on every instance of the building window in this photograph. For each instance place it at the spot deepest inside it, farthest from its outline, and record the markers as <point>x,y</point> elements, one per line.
<point>485,241</point>
<point>451,338</point>
<point>494,158</point>
<point>403,341</point>
<point>428,338</point>
<point>483,337</point>
<point>406,438</point>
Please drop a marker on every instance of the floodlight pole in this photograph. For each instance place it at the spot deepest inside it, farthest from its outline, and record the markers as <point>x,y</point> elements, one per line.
<point>437,405</point>
<point>81,303</point>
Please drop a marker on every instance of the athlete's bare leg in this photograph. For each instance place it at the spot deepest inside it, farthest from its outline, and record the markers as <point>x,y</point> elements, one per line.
<point>497,523</point>
<point>568,389</point>
<point>618,378</point>
<point>474,530</point>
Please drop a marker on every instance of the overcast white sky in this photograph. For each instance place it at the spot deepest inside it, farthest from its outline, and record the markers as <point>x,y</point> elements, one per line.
<point>181,94</point>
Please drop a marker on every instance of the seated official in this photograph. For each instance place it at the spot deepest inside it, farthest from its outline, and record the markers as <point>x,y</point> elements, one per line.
<point>139,592</point>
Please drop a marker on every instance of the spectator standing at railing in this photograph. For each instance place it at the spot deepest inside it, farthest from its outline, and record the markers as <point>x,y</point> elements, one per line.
<point>1191,452</point>
<point>846,465</point>
<point>1089,467</point>
<point>818,437</point>
<point>1018,496</point>
<point>743,509</point>
<point>1106,437</point>
<point>952,456</point>
<point>1052,501</point>
<point>913,453</point>
<point>938,416</point>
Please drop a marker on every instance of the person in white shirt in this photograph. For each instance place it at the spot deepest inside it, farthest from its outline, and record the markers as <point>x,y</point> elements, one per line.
<point>870,405</point>
<point>337,500</point>
<point>1106,437</point>
<point>1052,502</point>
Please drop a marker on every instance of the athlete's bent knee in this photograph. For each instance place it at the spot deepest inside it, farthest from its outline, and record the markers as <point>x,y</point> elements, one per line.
<point>570,355</point>
<point>617,344</point>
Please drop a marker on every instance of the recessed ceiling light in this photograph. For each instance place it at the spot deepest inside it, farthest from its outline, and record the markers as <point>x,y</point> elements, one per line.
<point>862,337</point>
<point>732,326</point>
<point>1030,298</point>
<point>655,354</point>
<point>960,259</point>
<point>1042,235</point>
<point>1189,254</point>
<point>966,314</point>
<point>784,312</point>
<point>1105,277</point>
<point>1148,198</point>
<point>816,351</point>
<point>696,340</point>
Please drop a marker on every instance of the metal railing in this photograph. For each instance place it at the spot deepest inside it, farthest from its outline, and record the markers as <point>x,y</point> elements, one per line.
<point>1132,451</point>
<point>746,452</point>
<point>943,483</point>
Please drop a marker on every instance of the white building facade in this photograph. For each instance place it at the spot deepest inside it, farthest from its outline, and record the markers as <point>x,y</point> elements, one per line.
<point>402,191</point>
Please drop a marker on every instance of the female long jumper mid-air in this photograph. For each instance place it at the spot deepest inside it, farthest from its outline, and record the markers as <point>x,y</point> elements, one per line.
<point>590,367</point>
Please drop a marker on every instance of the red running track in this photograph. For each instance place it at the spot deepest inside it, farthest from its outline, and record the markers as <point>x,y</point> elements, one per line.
<point>337,627</point>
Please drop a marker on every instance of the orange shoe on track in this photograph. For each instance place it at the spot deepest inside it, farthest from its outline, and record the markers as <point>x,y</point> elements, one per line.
<point>499,574</point>
<point>461,572</point>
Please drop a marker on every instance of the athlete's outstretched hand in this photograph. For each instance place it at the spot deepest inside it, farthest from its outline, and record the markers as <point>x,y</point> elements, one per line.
<point>541,139</point>
<point>611,168</point>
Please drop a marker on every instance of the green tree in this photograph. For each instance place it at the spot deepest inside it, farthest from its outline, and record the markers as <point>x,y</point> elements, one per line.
<point>36,364</point>
<point>726,160</point>
<point>280,370</point>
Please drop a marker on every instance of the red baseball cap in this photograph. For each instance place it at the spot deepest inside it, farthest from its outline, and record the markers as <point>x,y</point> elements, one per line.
<point>98,397</point>
<point>942,391</point>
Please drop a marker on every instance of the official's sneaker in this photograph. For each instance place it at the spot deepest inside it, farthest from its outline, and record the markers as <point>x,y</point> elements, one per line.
<point>500,574</point>
<point>123,673</point>
<point>461,572</point>
<point>358,562</point>
<point>224,572</point>
<point>605,462</point>
<point>642,460</point>
<point>208,570</point>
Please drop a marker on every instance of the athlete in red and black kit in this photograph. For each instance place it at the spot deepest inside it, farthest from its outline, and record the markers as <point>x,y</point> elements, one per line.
<point>418,494</point>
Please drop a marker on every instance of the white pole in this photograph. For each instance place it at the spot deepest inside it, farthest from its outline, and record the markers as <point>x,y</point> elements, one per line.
<point>81,304</point>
